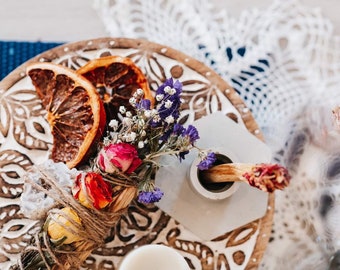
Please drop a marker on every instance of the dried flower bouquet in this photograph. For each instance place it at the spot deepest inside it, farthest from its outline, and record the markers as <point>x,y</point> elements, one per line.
<point>77,207</point>
<point>81,208</point>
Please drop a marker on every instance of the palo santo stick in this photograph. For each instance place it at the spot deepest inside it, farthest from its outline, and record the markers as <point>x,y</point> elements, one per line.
<point>267,177</point>
<point>229,172</point>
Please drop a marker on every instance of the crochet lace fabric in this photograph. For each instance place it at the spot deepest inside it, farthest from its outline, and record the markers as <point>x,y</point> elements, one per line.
<point>284,63</point>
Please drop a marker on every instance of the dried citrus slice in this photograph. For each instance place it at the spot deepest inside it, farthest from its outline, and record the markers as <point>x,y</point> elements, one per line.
<point>116,79</point>
<point>75,111</point>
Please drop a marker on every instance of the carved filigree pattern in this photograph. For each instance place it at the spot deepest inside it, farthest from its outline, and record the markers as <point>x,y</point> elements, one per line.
<point>23,127</point>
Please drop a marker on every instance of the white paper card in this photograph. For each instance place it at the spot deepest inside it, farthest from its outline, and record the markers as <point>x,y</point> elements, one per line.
<point>205,218</point>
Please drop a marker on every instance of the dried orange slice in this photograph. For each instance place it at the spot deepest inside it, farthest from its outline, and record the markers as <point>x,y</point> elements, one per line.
<point>116,79</point>
<point>75,111</point>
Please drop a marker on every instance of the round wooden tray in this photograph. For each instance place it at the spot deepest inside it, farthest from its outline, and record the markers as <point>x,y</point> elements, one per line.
<point>25,140</point>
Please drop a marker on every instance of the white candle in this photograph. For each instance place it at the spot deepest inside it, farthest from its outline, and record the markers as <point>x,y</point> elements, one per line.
<point>154,257</point>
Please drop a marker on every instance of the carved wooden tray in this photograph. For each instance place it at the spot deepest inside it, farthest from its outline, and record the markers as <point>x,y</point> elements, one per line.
<point>25,139</point>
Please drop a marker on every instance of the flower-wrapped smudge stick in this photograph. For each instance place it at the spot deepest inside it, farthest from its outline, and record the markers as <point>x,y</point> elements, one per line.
<point>83,206</point>
<point>266,177</point>
<point>75,224</point>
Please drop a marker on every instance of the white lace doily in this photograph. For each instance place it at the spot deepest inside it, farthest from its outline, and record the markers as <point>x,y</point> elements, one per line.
<point>285,64</point>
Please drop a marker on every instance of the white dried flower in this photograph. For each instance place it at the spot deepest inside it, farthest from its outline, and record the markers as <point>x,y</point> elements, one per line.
<point>113,136</point>
<point>140,122</point>
<point>147,113</point>
<point>167,89</point>
<point>159,97</point>
<point>154,112</point>
<point>133,136</point>
<point>140,92</point>
<point>140,144</point>
<point>170,119</point>
<point>127,121</point>
<point>130,137</point>
<point>122,109</point>
<point>156,118</point>
<point>114,124</point>
<point>133,101</point>
<point>170,91</point>
<point>168,104</point>
<point>128,114</point>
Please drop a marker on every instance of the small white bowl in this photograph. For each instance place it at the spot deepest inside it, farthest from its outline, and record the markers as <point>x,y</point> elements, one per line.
<point>154,257</point>
<point>216,194</point>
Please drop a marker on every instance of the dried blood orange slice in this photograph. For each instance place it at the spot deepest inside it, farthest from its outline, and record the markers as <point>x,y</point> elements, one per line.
<point>116,79</point>
<point>75,111</point>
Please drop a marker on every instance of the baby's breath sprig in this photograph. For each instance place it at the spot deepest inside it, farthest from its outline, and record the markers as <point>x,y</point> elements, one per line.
<point>154,131</point>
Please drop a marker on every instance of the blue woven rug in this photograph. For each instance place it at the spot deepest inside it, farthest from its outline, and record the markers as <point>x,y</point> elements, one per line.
<point>13,54</point>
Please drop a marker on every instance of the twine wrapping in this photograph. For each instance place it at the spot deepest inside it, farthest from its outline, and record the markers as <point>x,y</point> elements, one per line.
<point>93,229</point>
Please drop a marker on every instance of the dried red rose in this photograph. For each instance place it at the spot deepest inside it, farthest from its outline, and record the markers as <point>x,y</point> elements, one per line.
<point>268,177</point>
<point>92,191</point>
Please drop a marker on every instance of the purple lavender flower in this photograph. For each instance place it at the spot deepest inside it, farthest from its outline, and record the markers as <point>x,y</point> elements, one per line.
<point>207,162</point>
<point>177,85</point>
<point>192,133</point>
<point>144,104</point>
<point>168,102</point>
<point>165,110</point>
<point>150,196</point>
<point>178,129</point>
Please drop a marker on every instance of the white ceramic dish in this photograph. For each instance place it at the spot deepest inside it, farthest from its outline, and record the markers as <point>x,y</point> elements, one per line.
<point>217,194</point>
<point>209,219</point>
<point>153,256</point>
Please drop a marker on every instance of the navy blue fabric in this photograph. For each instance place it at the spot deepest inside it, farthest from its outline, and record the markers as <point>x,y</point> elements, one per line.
<point>13,53</point>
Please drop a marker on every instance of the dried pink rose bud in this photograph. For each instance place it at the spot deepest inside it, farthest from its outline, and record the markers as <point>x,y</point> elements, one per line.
<point>268,177</point>
<point>121,157</point>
